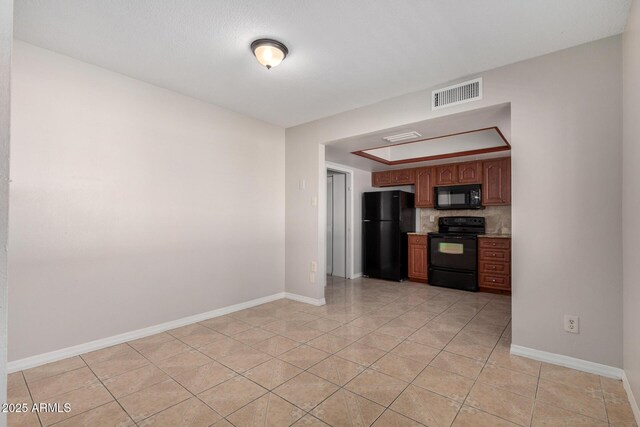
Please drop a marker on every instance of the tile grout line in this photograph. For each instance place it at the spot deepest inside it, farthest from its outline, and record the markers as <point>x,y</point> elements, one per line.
<point>441,350</point>
<point>31,396</point>
<point>144,388</point>
<point>357,340</point>
<point>604,400</point>
<point>307,370</point>
<point>109,391</point>
<point>173,379</point>
<point>483,366</point>
<point>386,352</point>
<point>404,340</point>
<point>388,407</point>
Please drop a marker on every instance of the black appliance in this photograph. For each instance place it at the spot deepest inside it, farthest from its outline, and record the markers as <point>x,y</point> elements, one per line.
<point>387,217</point>
<point>458,197</point>
<point>453,252</point>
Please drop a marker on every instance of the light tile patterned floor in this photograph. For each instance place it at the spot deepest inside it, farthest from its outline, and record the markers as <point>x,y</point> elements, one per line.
<point>379,353</point>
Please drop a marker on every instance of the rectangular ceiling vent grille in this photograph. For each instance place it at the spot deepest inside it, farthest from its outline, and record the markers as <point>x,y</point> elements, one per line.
<point>457,94</point>
<point>402,136</point>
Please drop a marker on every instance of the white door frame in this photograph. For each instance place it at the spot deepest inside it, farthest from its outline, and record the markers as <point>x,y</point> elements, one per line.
<point>329,245</point>
<point>349,250</point>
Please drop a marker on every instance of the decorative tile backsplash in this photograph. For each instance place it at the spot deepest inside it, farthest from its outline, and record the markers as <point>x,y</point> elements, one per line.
<point>498,218</point>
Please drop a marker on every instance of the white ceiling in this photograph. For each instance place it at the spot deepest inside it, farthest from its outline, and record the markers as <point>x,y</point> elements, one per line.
<point>343,53</point>
<point>499,116</point>
<point>472,140</point>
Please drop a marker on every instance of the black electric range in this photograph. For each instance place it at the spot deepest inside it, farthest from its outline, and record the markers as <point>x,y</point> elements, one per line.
<point>452,254</point>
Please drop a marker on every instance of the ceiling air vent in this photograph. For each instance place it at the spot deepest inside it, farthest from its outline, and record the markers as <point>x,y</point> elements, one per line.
<point>402,136</point>
<point>457,94</point>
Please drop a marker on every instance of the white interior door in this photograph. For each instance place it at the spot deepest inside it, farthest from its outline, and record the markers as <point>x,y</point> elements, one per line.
<point>329,244</point>
<point>339,204</point>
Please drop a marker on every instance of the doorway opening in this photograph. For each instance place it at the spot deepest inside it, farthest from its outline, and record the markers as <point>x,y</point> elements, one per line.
<point>338,226</point>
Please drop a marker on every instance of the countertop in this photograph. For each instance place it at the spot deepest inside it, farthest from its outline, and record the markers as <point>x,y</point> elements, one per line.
<point>496,235</point>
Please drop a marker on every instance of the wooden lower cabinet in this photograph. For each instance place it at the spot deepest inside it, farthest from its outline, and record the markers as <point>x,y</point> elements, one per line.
<point>418,258</point>
<point>494,264</point>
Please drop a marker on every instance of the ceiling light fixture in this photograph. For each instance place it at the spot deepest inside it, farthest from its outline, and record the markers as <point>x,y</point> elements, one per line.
<point>268,52</point>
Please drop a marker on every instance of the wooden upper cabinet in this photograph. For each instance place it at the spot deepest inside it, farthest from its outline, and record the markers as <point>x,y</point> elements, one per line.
<point>470,173</point>
<point>496,182</point>
<point>393,178</point>
<point>402,177</point>
<point>493,174</point>
<point>425,178</point>
<point>381,179</point>
<point>447,174</point>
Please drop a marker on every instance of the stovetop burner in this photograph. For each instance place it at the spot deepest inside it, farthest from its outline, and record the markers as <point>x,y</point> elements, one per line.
<point>461,225</point>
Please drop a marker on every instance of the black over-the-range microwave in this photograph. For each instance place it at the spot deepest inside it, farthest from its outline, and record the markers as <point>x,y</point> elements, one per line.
<point>458,197</point>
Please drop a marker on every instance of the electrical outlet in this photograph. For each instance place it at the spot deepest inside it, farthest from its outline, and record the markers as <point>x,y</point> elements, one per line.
<point>572,324</point>
<point>314,266</point>
<point>432,218</point>
<point>314,201</point>
<point>312,277</point>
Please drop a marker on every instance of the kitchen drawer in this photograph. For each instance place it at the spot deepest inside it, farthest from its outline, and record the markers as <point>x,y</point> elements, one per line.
<point>495,267</point>
<point>494,281</point>
<point>494,243</point>
<point>495,255</point>
<point>417,239</point>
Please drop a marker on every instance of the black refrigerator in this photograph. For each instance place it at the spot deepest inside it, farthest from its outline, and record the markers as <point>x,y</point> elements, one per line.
<point>387,217</point>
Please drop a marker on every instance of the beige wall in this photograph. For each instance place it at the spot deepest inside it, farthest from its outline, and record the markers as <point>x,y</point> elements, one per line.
<point>132,205</point>
<point>631,197</point>
<point>6,29</point>
<point>566,135</point>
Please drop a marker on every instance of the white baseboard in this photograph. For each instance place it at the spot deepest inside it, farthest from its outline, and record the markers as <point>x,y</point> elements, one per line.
<point>632,399</point>
<point>569,362</point>
<point>356,275</point>
<point>307,300</point>
<point>41,359</point>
